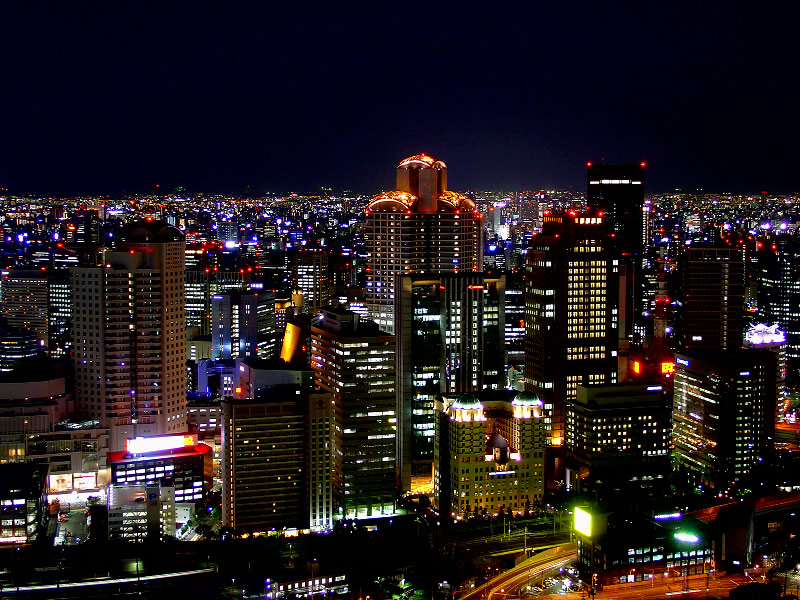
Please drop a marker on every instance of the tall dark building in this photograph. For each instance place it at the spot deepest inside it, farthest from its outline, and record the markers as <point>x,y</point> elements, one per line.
<point>449,340</point>
<point>618,191</point>
<point>570,313</point>
<point>712,315</point>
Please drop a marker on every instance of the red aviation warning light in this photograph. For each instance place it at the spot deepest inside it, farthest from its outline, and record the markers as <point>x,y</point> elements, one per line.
<point>643,164</point>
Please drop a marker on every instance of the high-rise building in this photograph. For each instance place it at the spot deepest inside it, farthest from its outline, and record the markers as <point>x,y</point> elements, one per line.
<point>450,339</point>
<point>769,337</point>
<point>570,313</point>
<point>201,286</point>
<point>618,192</point>
<point>243,325</point>
<point>723,419</point>
<point>779,295</point>
<point>129,335</point>
<point>355,361</point>
<point>39,301</point>
<point>712,315</point>
<point>420,226</point>
<point>281,461</point>
<point>310,275</point>
<point>489,454</point>
<point>617,440</point>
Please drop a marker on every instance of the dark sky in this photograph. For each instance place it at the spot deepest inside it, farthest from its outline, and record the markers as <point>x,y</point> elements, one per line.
<point>113,97</point>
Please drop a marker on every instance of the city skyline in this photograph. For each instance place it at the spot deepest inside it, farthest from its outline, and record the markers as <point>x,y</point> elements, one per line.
<point>112,100</point>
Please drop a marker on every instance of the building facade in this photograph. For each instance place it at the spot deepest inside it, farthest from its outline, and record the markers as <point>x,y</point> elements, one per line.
<point>129,335</point>
<point>355,361</point>
<point>420,226</point>
<point>489,454</point>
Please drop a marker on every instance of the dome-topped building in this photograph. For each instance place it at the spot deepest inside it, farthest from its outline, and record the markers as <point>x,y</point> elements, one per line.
<point>419,226</point>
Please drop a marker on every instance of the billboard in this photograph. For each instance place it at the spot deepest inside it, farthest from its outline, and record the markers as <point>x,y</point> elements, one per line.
<point>159,443</point>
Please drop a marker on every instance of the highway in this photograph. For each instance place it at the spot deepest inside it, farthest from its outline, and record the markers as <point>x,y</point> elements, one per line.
<point>510,582</point>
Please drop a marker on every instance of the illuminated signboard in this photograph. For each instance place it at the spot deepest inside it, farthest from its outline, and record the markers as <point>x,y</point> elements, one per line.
<point>583,522</point>
<point>687,537</point>
<point>682,361</point>
<point>668,516</point>
<point>637,367</point>
<point>667,367</point>
<point>161,443</point>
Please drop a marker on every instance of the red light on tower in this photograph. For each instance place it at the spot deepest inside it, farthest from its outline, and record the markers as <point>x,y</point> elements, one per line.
<point>588,164</point>
<point>643,164</point>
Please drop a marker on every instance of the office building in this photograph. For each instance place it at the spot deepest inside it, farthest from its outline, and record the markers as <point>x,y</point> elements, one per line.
<point>618,192</point>
<point>17,345</point>
<point>420,226</point>
<point>450,339</point>
<point>201,287</point>
<point>618,440</point>
<point>712,315</point>
<point>310,275</point>
<point>23,502</point>
<point>129,335</point>
<point>489,454</point>
<point>176,461</point>
<point>25,301</point>
<point>243,325</point>
<point>723,419</point>
<point>355,361</point>
<point>570,314</point>
<point>280,461</point>
<point>769,337</point>
<point>779,295</point>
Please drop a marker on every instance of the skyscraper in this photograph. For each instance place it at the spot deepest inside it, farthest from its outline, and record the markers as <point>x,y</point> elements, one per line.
<point>618,191</point>
<point>354,361</point>
<point>243,325</point>
<point>310,275</point>
<point>570,313</point>
<point>129,335</point>
<point>450,339</point>
<point>723,418</point>
<point>779,295</point>
<point>712,316</point>
<point>420,226</point>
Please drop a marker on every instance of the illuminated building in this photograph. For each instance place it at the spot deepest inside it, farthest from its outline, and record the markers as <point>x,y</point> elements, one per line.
<point>201,286</point>
<point>514,311</point>
<point>712,315</point>
<point>617,440</point>
<point>310,274</point>
<point>16,345</point>
<point>489,454</point>
<point>26,302</point>
<point>140,512</point>
<point>449,340</point>
<point>169,460</point>
<point>617,192</point>
<point>769,337</point>
<point>355,361</point>
<point>280,464</point>
<point>129,335</point>
<point>420,226</point>
<point>779,295</point>
<point>23,502</point>
<point>621,547</point>
<point>723,418</point>
<point>570,314</point>
<point>243,325</point>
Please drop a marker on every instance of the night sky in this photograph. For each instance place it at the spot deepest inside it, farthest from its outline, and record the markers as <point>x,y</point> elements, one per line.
<point>118,97</point>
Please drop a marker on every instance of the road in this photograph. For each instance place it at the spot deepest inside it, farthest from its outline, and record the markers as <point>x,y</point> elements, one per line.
<point>75,526</point>
<point>510,582</point>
